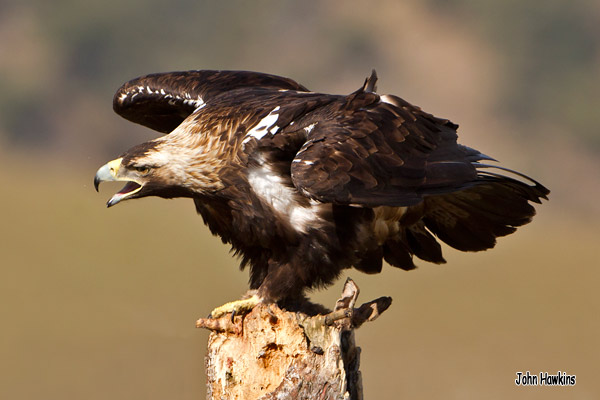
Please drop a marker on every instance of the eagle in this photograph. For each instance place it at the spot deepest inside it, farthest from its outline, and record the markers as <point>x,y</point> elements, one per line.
<point>304,185</point>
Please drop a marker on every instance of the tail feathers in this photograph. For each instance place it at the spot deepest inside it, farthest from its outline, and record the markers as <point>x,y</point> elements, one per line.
<point>414,240</point>
<point>468,220</point>
<point>472,219</point>
<point>423,244</point>
<point>397,253</point>
<point>535,193</point>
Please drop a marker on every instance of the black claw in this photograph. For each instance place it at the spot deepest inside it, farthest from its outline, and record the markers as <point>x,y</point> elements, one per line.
<point>96,182</point>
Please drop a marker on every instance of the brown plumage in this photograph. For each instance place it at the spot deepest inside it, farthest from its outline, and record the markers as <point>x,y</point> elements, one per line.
<point>304,184</point>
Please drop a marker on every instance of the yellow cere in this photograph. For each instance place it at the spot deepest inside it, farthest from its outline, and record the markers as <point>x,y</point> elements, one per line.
<point>114,166</point>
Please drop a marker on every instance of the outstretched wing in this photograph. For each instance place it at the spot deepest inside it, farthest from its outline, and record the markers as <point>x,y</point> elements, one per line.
<point>380,150</point>
<point>162,101</point>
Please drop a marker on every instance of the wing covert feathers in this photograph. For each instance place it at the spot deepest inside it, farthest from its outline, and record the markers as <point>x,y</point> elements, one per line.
<point>381,152</point>
<point>162,101</point>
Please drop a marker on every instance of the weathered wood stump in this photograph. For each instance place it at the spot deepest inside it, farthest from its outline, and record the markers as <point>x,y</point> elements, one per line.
<point>270,353</point>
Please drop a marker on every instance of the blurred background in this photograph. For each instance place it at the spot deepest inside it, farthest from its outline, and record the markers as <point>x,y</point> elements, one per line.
<point>101,304</point>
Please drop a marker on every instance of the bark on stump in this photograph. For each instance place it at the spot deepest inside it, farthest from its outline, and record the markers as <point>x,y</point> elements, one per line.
<point>270,353</point>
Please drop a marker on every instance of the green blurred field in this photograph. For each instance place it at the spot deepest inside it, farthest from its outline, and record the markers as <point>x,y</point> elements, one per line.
<point>101,304</point>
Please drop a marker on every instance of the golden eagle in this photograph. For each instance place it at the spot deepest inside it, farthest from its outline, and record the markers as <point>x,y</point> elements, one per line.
<point>304,185</point>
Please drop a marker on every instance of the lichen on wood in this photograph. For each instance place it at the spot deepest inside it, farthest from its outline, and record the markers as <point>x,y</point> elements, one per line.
<point>271,353</point>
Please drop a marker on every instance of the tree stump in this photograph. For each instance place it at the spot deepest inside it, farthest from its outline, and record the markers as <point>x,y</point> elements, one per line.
<point>271,353</point>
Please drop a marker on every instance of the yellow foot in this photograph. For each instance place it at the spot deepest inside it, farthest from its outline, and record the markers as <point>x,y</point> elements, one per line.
<point>237,307</point>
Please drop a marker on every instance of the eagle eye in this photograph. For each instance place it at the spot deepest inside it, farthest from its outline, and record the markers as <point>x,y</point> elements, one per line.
<point>144,169</point>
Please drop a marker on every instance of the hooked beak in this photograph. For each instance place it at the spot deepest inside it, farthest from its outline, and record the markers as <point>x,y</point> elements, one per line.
<point>110,172</point>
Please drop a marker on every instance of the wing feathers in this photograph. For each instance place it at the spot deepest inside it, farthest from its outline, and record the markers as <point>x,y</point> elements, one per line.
<point>378,152</point>
<point>162,101</point>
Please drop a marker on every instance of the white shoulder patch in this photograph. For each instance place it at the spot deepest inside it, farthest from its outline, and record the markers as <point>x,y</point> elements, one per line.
<point>264,126</point>
<point>310,127</point>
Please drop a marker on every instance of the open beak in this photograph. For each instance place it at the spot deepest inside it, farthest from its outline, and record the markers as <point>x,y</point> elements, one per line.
<point>110,172</point>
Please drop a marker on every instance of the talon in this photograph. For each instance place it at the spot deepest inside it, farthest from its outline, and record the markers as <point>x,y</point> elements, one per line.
<point>238,307</point>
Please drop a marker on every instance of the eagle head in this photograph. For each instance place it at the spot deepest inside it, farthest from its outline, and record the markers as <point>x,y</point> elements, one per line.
<point>155,168</point>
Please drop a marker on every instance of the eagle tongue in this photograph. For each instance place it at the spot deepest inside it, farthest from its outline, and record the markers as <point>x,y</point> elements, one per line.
<point>129,187</point>
<point>123,194</point>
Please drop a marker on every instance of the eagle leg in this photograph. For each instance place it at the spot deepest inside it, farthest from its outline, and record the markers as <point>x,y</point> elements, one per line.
<point>237,307</point>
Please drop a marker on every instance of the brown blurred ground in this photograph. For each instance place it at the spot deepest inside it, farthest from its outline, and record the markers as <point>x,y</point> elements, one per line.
<point>99,303</point>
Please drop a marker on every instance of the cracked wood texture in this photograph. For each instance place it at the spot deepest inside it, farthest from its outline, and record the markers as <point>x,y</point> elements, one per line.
<point>271,353</point>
